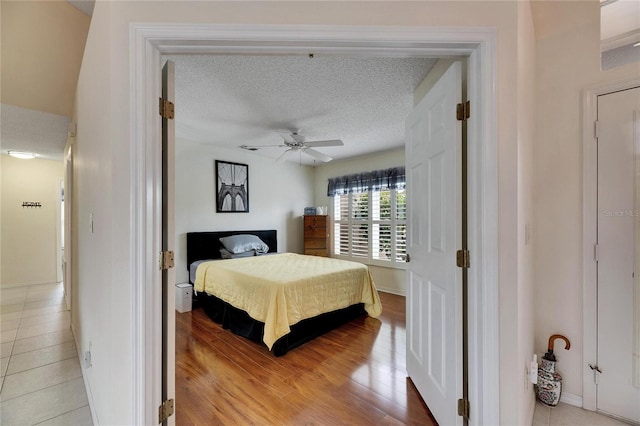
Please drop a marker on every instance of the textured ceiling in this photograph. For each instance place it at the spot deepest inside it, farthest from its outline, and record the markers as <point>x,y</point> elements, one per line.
<point>28,130</point>
<point>229,101</point>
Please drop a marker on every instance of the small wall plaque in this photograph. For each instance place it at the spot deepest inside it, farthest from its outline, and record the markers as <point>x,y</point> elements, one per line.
<point>31,204</point>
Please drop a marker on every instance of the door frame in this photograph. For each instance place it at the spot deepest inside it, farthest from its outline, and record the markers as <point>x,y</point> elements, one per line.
<point>589,232</point>
<point>149,41</point>
<point>68,209</point>
<point>59,234</point>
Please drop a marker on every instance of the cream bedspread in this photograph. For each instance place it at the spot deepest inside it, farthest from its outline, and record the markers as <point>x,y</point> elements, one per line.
<point>283,289</point>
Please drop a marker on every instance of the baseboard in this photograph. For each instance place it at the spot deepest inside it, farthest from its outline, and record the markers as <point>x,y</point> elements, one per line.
<point>84,377</point>
<point>571,399</point>
<point>391,291</point>
<point>532,409</point>
<point>27,284</point>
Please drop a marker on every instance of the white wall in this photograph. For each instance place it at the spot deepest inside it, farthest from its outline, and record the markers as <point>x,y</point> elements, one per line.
<point>29,234</point>
<point>101,318</point>
<point>278,194</point>
<point>42,45</point>
<point>567,61</point>
<point>387,279</point>
<point>103,261</point>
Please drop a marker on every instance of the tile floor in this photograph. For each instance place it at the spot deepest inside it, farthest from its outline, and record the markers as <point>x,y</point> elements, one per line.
<point>41,382</point>
<point>565,414</point>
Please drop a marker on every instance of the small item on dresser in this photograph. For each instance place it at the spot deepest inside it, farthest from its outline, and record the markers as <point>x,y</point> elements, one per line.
<point>308,211</point>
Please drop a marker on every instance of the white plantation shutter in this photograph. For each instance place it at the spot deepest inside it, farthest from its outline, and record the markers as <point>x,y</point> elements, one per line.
<point>360,239</point>
<point>342,241</point>
<point>401,243</point>
<point>400,236</point>
<point>371,226</point>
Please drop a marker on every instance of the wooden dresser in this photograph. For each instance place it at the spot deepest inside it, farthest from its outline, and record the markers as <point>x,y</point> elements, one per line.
<point>316,235</point>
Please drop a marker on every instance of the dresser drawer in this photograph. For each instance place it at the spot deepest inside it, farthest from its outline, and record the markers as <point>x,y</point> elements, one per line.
<point>316,252</point>
<point>316,220</point>
<point>315,232</point>
<point>315,243</point>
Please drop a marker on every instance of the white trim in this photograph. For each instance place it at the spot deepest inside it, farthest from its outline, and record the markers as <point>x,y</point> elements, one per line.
<point>589,232</point>
<point>146,202</point>
<point>83,371</point>
<point>571,399</point>
<point>149,41</point>
<point>59,236</point>
<point>391,291</point>
<point>620,40</point>
<point>482,214</point>
<point>26,284</point>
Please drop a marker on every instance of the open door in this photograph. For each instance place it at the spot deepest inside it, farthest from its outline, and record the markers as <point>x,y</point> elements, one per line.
<point>616,370</point>
<point>168,243</point>
<point>434,220</point>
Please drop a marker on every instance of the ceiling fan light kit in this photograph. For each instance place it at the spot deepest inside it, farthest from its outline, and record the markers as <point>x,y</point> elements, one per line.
<point>294,141</point>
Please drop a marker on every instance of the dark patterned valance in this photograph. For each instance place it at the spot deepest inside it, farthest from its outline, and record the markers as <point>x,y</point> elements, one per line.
<point>377,180</point>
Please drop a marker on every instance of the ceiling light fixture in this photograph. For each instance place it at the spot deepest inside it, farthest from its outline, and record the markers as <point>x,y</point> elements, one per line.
<point>636,44</point>
<point>22,155</point>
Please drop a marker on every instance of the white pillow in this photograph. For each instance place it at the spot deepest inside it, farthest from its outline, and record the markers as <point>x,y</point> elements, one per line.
<point>226,254</point>
<point>244,242</point>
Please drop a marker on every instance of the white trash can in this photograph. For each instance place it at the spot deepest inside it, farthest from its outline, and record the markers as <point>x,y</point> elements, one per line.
<point>184,295</point>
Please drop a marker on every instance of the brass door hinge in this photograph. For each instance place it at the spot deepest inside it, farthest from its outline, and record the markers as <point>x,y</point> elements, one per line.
<point>463,408</point>
<point>463,111</point>
<point>167,109</point>
<point>165,411</point>
<point>166,260</point>
<point>462,259</point>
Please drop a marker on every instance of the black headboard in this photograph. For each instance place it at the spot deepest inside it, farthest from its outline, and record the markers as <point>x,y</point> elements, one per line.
<point>207,245</point>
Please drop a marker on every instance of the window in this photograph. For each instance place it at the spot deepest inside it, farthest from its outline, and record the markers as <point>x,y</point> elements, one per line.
<point>371,225</point>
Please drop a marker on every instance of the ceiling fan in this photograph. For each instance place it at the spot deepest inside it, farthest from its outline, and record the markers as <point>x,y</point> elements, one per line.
<point>296,142</point>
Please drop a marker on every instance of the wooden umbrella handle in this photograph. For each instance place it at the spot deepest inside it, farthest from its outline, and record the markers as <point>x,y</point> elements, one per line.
<point>567,344</point>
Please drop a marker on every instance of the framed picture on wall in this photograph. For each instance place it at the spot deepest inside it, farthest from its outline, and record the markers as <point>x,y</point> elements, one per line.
<point>232,187</point>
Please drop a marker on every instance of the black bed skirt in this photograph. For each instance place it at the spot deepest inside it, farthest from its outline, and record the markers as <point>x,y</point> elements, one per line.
<point>240,323</point>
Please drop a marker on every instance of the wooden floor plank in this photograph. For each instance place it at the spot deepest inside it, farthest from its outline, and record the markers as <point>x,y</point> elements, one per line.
<point>352,375</point>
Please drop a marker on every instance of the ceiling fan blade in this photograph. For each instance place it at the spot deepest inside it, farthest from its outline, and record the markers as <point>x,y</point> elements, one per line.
<point>332,142</point>
<point>287,136</point>
<point>283,155</point>
<point>257,147</point>
<point>317,155</point>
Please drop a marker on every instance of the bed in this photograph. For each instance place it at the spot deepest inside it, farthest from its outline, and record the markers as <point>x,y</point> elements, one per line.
<point>279,300</point>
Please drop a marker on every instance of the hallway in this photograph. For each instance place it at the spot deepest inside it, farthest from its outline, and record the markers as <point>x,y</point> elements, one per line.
<point>41,381</point>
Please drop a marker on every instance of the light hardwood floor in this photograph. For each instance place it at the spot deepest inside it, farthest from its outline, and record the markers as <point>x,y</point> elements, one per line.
<point>352,375</point>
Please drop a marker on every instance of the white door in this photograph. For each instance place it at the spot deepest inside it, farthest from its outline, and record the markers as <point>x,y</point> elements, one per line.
<point>168,241</point>
<point>434,316</point>
<point>618,388</point>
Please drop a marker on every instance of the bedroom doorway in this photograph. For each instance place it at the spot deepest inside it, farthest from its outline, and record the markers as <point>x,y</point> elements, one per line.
<point>150,41</point>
